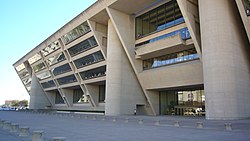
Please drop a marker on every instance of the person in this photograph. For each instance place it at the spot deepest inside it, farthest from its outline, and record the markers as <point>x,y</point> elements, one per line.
<point>134,111</point>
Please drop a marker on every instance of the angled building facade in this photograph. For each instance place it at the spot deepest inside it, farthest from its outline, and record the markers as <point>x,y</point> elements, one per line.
<point>155,57</point>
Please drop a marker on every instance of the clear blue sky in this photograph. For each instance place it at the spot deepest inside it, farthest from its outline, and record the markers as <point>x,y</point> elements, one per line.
<point>23,25</point>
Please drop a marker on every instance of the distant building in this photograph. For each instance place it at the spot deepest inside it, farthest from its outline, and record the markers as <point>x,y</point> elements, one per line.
<point>155,57</point>
<point>8,103</point>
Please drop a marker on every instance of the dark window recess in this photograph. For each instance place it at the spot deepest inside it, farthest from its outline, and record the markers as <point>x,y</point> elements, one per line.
<point>97,72</point>
<point>78,96</point>
<point>89,59</point>
<point>83,46</point>
<point>48,84</point>
<point>160,18</point>
<point>58,98</point>
<point>102,93</point>
<point>61,69</point>
<point>67,79</point>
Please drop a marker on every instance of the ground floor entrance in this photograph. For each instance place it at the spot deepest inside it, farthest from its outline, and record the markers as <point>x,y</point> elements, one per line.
<point>189,101</point>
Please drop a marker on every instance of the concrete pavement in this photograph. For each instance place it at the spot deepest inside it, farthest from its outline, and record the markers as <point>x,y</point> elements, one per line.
<point>80,127</point>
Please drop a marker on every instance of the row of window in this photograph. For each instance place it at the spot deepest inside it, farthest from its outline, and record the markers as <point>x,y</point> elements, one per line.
<point>67,38</point>
<point>160,18</point>
<point>97,72</point>
<point>172,58</point>
<point>43,75</point>
<point>89,59</point>
<point>67,79</point>
<point>51,48</point>
<point>184,34</point>
<point>48,84</point>
<point>61,69</point>
<point>79,48</point>
<point>83,46</point>
<point>24,74</point>
<point>76,33</point>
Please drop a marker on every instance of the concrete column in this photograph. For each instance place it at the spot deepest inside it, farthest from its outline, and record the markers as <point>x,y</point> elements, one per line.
<point>225,60</point>
<point>123,91</point>
<point>38,99</point>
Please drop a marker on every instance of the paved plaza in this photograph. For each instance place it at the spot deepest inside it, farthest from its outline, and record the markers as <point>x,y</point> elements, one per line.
<point>90,127</point>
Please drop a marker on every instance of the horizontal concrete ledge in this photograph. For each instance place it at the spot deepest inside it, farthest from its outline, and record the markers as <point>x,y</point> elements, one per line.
<point>58,139</point>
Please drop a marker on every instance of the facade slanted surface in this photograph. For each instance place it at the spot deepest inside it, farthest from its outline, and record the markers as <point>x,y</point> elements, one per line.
<point>155,57</point>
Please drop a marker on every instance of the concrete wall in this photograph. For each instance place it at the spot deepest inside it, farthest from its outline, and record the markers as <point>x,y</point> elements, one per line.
<point>38,99</point>
<point>225,60</point>
<point>123,91</point>
<point>183,74</point>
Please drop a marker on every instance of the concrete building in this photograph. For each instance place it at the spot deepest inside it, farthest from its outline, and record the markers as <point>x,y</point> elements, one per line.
<point>155,57</point>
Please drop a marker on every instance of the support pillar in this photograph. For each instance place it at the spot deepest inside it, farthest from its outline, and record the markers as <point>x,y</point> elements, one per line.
<point>123,91</point>
<point>225,52</point>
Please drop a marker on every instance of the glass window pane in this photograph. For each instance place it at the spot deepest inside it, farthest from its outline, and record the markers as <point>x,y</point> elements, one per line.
<point>56,59</point>
<point>39,67</point>
<point>76,33</point>
<point>34,58</point>
<point>51,48</point>
<point>20,67</point>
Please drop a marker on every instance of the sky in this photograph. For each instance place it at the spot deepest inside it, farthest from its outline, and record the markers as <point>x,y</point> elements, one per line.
<point>23,25</point>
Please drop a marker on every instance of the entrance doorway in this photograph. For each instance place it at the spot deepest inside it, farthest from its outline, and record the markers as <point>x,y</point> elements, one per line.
<point>182,102</point>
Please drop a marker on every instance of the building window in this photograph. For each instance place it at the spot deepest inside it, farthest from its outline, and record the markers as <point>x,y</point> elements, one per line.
<point>76,33</point>
<point>169,59</point>
<point>58,98</point>
<point>56,59</point>
<point>97,72</point>
<point>43,75</point>
<point>182,102</point>
<point>39,67</point>
<point>246,4</point>
<point>184,34</point>
<point>20,67</point>
<point>34,58</point>
<point>61,69</point>
<point>101,93</point>
<point>24,74</point>
<point>79,96</point>
<point>89,59</point>
<point>67,79</point>
<point>26,81</point>
<point>160,18</point>
<point>83,46</point>
<point>48,84</point>
<point>51,48</point>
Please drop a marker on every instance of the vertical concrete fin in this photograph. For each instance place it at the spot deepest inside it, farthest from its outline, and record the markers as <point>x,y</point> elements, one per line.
<point>123,92</point>
<point>125,30</point>
<point>190,13</point>
<point>225,60</point>
<point>68,94</point>
<point>38,98</point>
<point>93,93</point>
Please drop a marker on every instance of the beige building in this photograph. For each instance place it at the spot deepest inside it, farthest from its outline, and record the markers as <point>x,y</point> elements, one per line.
<point>155,57</point>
